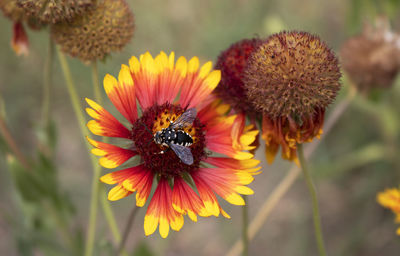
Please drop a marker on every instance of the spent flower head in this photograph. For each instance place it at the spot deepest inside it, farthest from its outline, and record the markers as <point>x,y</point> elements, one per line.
<point>291,78</point>
<point>292,74</point>
<point>232,63</point>
<point>372,59</point>
<point>53,11</point>
<point>180,124</point>
<point>104,29</point>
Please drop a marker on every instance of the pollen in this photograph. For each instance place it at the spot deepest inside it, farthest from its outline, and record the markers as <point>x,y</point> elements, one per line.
<point>165,119</point>
<point>166,164</point>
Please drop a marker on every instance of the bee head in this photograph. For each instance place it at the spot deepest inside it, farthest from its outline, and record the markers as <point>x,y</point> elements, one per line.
<point>158,138</point>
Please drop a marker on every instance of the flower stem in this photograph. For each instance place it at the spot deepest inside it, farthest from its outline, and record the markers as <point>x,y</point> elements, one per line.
<point>12,144</point>
<point>47,84</point>
<point>128,227</point>
<point>314,199</point>
<point>108,213</point>
<point>286,183</point>
<point>96,84</point>
<point>245,224</point>
<point>96,168</point>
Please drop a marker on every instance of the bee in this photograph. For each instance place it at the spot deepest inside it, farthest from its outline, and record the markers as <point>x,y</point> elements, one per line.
<point>176,138</point>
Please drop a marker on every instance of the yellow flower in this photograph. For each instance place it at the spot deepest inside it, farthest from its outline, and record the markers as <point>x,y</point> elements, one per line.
<point>390,199</point>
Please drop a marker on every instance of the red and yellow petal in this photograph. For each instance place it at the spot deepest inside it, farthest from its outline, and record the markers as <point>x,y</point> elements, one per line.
<point>104,124</point>
<point>141,181</point>
<point>118,192</point>
<point>230,163</point>
<point>227,183</point>
<point>213,111</point>
<point>161,213</point>
<point>207,195</point>
<point>135,179</point>
<point>144,73</point>
<point>199,83</point>
<point>186,201</point>
<point>122,93</point>
<point>112,156</point>
<point>170,77</point>
<point>243,136</point>
<point>157,79</point>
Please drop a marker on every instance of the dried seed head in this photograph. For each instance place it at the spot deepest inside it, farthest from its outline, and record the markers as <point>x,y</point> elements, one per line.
<point>11,10</point>
<point>53,11</point>
<point>292,74</point>
<point>372,59</point>
<point>105,29</point>
<point>232,63</point>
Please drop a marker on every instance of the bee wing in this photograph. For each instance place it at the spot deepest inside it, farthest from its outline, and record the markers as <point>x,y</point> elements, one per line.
<point>185,119</point>
<point>183,153</point>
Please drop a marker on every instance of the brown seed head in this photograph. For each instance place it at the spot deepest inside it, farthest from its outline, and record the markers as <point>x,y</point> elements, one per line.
<point>15,13</point>
<point>53,11</point>
<point>292,74</point>
<point>372,59</point>
<point>232,63</point>
<point>11,10</point>
<point>105,29</point>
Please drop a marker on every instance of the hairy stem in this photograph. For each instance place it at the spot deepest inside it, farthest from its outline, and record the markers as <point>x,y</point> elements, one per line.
<point>9,139</point>
<point>48,66</point>
<point>314,200</point>
<point>245,224</point>
<point>128,228</point>
<point>90,236</point>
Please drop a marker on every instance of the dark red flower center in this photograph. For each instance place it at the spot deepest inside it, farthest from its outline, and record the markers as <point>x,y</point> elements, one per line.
<point>161,159</point>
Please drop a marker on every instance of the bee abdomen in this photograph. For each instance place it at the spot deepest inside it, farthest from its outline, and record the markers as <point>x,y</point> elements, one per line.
<point>183,139</point>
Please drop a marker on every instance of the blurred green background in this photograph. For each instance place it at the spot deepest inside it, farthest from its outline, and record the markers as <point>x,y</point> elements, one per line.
<point>350,165</point>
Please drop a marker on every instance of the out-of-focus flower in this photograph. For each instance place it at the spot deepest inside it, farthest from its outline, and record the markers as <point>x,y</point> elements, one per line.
<point>155,84</point>
<point>291,79</point>
<point>19,41</point>
<point>106,28</point>
<point>232,63</point>
<point>53,11</point>
<point>390,198</point>
<point>372,59</point>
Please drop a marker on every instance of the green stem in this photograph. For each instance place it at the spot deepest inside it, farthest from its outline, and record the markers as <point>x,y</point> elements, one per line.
<point>96,84</point>
<point>47,84</point>
<point>128,228</point>
<point>109,215</point>
<point>9,139</point>
<point>96,168</point>
<point>245,224</point>
<point>313,193</point>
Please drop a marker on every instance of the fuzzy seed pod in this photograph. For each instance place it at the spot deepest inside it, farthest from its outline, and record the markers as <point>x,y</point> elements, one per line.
<point>372,59</point>
<point>232,62</point>
<point>292,74</point>
<point>105,29</point>
<point>53,11</point>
